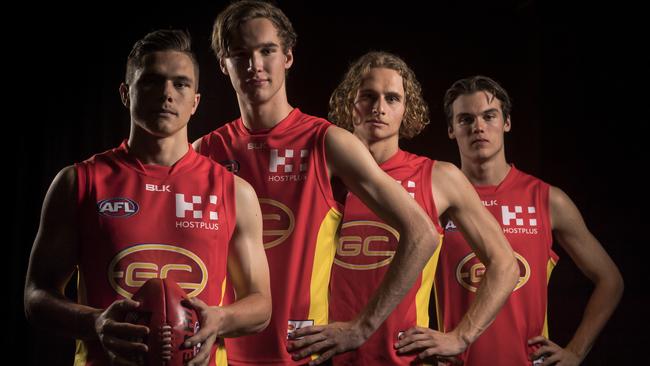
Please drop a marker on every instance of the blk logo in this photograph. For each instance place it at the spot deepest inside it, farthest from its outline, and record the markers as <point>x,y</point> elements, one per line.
<point>157,188</point>
<point>517,214</point>
<point>117,207</point>
<point>195,207</point>
<point>287,161</point>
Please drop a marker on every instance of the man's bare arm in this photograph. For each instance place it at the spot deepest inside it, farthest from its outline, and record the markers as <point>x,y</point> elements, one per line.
<point>571,232</point>
<point>249,272</point>
<point>349,160</point>
<point>52,262</point>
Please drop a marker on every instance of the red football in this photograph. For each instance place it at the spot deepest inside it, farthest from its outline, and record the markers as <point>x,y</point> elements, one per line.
<point>170,322</point>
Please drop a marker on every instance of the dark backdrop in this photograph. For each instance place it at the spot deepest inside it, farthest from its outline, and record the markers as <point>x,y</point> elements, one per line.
<point>579,118</point>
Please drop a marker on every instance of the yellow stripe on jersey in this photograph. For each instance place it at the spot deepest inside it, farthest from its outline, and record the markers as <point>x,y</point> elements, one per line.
<point>549,268</point>
<point>223,291</point>
<point>80,353</point>
<point>322,267</point>
<point>424,292</point>
<point>221,356</point>
<point>441,323</point>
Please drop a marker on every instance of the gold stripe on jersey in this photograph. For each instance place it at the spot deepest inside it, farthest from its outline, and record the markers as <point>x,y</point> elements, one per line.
<point>322,267</point>
<point>220,355</point>
<point>80,353</point>
<point>424,292</point>
<point>223,290</point>
<point>549,268</point>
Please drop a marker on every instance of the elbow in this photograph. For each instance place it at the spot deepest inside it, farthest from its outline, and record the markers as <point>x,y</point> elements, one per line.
<point>265,316</point>
<point>618,285</point>
<point>30,303</point>
<point>512,272</point>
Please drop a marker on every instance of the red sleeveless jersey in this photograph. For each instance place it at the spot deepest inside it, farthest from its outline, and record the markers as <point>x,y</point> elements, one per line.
<point>138,222</point>
<point>366,248</point>
<point>286,165</point>
<point>520,205</point>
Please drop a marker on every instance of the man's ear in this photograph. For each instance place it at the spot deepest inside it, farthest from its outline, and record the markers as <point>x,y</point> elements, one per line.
<point>289,59</point>
<point>507,125</point>
<point>222,65</point>
<point>124,95</point>
<point>450,132</point>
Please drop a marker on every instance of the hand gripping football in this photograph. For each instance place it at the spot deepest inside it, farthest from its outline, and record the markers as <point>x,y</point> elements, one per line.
<point>170,322</point>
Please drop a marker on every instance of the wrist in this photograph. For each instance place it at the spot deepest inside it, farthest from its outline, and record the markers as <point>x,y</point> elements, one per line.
<point>87,323</point>
<point>578,353</point>
<point>463,338</point>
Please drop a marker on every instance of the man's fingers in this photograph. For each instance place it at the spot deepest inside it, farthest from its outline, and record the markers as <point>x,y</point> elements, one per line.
<point>122,348</point>
<point>313,348</point>
<point>301,332</point>
<point>203,357</point>
<point>201,337</point>
<point>538,339</point>
<point>124,330</point>
<point>322,358</point>
<point>407,340</point>
<point>541,351</point>
<point>305,341</point>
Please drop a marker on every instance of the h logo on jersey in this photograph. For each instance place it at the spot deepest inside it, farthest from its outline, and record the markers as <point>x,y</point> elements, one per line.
<point>182,207</point>
<point>410,185</point>
<point>283,157</point>
<point>507,216</point>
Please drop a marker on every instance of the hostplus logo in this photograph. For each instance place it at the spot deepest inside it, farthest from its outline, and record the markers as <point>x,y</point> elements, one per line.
<point>288,165</point>
<point>514,219</point>
<point>197,212</point>
<point>519,219</point>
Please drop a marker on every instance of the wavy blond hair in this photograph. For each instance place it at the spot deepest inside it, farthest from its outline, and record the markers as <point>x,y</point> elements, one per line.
<point>416,113</point>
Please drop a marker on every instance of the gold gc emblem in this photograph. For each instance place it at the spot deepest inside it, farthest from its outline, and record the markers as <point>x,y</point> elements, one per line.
<point>279,222</point>
<point>372,247</point>
<point>470,272</point>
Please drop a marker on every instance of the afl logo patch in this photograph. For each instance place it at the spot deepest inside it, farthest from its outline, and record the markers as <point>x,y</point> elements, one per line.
<point>231,165</point>
<point>117,207</point>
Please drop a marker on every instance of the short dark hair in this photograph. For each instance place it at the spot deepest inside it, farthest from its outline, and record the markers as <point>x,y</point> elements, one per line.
<point>472,85</point>
<point>229,20</point>
<point>160,40</point>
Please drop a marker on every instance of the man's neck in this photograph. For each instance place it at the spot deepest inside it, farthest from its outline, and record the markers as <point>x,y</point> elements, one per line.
<point>490,172</point>
<point>165,151</point>
<point>264,116</point>
<point>382,150</point>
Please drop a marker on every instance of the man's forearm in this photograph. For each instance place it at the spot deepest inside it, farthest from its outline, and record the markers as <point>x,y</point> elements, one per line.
<point>250,314</point>
<point>599,309</point>
<point>500,279</point>
<point>53,311</point>
<point>412,254</point>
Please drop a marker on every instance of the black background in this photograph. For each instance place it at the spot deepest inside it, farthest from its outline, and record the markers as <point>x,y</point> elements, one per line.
<point>574,72</point>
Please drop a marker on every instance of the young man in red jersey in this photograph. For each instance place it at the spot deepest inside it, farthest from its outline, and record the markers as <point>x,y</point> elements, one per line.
<point>143,210</point>
<point>380,101</point>
<point>292,160</point>
<point>532,213</point>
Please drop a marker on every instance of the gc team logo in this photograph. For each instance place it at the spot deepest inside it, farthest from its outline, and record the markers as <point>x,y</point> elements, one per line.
<point>470,272</point>
<point>117,207</point>
<point>133,266</point>
<point>373,251</point>
<point>279,222</point>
